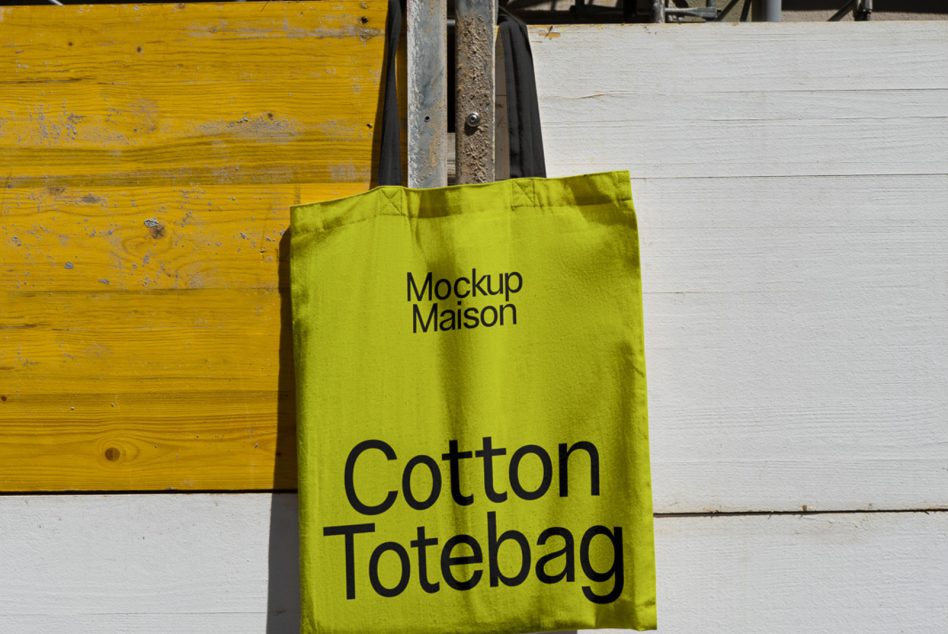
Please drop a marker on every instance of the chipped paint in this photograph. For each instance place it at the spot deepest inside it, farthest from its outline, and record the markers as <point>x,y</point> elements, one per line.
<point>92,199</point>
<point>155,228</point>
<point>268,127</point>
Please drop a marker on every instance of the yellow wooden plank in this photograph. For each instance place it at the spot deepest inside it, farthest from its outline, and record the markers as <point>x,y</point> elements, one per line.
<point>148,158</point>
<point>124,390</point>
<point>189,93</point>
<point>149,237</point>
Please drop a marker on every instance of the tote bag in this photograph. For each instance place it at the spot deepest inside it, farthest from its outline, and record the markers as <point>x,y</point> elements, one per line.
<point>472,426</point>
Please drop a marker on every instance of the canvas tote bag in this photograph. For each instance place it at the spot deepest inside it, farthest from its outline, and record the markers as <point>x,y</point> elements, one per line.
<point>472,427</point>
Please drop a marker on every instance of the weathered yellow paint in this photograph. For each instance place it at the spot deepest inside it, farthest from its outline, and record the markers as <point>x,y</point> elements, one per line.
<point>146,390</point>
<point>151,237</point>
<point>148,157</point>
<point>187,94</point>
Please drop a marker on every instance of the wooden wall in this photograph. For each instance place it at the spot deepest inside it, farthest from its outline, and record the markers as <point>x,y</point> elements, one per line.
<point>149,155</point>
<point>791,183</point>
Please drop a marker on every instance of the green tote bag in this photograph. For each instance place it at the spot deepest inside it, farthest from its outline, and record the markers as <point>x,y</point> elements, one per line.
<point>472,433</point>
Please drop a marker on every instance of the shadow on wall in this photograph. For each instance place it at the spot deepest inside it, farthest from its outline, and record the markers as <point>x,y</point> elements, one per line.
<point>283,592</point>
<point>283,567</point>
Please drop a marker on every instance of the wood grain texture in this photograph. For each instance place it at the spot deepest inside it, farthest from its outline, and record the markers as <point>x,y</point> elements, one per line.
<point>148,158</point>
<point>810,56</point>
<point>795,321</point>
<point>138,238</point>
<point>189,94</point>
<point>211,563</point>
<point>119,390</point>
<point>796,342</point>
<point>844,99</point>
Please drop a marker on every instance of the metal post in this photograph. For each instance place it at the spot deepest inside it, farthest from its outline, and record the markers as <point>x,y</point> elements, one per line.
<point>863,12</point>
<point>474,66</point>
<point>427,93</point>
<point>768,11</point>
<point>658,11</point>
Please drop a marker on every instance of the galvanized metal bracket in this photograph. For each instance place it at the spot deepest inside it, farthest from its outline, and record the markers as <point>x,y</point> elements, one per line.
<point>427,35</point>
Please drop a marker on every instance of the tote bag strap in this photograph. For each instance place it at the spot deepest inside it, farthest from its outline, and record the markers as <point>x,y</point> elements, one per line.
<point>523,109</point>
<point>390,150</point>
<point>525,139</point>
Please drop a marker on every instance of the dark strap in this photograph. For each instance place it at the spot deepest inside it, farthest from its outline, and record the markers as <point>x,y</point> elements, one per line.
<point>523,111</point>
<point>390,144</point>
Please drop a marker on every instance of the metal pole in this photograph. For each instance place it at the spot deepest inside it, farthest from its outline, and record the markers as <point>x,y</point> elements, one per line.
<point>427,93</point>
<point>658,11</point>
<point>768,11</point>
<point>474,119</point>
<point>773,10</point>
<point>864,11</point>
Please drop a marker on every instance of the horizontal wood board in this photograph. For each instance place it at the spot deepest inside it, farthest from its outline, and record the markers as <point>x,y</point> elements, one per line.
<point>794,311</point>
<point>727,100</point>
<point>189,94</point>
<point>796,342</point>
<point>214,563</point>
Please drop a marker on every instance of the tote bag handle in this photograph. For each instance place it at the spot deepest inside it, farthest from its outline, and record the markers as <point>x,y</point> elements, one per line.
<point>390,152</point>
<point>523,110</point>
<point>525,140</point>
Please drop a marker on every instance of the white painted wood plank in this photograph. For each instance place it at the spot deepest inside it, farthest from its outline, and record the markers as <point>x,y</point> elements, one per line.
<point>148,563</point>
<point>773,100</point>
<point>826,573</point>
<point>748,148</point>
<point>201,563</point>
<point>797,342</point>
<point>131,623</point>
<point>874,201</point>
<point>626,103</point>
<point>740,57</point>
